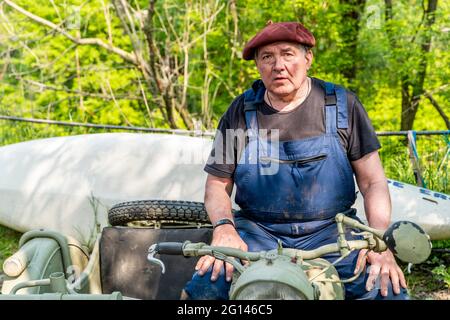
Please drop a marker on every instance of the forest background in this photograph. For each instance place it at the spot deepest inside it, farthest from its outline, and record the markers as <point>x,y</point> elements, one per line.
<point>177,65</point>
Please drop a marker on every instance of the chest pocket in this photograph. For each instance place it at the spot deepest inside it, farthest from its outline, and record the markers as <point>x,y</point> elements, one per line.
<point>303,169</point>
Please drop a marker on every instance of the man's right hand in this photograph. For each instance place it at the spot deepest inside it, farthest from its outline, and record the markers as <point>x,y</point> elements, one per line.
<point>224,236</point>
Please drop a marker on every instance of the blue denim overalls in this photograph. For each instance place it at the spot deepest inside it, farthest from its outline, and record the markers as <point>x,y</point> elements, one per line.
<point>291,191</point>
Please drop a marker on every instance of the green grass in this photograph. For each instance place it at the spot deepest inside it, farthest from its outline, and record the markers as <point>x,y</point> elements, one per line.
<point>9,243</point>
<point>434,161</point>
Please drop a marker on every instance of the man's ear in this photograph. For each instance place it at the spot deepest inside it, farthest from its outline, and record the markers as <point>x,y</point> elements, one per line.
<point>257,66</point>
<point>309,58</point>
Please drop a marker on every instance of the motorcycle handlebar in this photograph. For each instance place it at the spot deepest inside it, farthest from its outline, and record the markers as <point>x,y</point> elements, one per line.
<point>416,250</point>
<point>189,249</point>
<point>171,248</point>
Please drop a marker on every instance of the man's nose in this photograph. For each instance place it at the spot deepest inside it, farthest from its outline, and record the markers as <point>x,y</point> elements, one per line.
<point>278,64</point>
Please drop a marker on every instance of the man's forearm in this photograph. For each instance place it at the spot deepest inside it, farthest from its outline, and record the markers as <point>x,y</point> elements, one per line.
<point>377,204</point>
<point>218,201</point>
<point>373,185</point>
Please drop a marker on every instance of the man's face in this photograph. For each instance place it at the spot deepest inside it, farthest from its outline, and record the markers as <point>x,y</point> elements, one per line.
<point>283,67</point>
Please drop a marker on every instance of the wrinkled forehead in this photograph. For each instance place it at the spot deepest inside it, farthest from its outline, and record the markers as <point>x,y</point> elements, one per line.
<point>279,46</point>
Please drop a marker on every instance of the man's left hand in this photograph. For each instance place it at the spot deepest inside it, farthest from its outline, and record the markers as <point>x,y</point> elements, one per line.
<point>381,264</point>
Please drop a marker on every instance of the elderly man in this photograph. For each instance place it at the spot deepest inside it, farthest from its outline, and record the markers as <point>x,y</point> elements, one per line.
<point>325,137</point>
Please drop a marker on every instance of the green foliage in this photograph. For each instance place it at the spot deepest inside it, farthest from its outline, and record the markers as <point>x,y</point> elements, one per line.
<point>45,71</point>
<point>434,155</point>
<point>9,242</point>
<point>33,55</point>
<point>442,273</point>
<point>441,244</point>
<point>440,268</point>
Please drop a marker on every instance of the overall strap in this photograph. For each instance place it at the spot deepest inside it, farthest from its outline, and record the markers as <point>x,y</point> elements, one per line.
<point>330,115</point>
<point>251,101</point>
<point>335,98</point>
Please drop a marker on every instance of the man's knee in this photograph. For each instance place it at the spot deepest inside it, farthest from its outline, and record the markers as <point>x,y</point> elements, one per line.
<point>375,294</point>
<point>356,290</point>
<point>202,288</point>
<point>403,295</point>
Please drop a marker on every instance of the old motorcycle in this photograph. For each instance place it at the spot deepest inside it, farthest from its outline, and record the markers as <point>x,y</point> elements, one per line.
<point>285,273</point>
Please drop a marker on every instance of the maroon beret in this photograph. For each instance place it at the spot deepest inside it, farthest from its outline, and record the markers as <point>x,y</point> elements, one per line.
<point>280,31</point>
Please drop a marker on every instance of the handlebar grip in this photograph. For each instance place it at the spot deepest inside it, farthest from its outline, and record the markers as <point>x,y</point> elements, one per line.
<point>172,248</point>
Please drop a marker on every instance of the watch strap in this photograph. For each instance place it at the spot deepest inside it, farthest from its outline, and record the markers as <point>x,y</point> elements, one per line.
<point>224,221</point>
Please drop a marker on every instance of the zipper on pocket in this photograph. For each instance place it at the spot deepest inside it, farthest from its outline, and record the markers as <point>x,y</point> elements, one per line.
<point>297,162</point>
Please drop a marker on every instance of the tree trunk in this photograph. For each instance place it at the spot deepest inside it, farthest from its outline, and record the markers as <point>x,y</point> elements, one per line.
<point>417,88</point>
<point>408,113</point>
<point>412,82</point>
<point>353,9</point>
<point>163,71</point>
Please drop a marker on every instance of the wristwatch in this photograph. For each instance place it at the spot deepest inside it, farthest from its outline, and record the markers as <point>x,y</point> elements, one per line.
<point>224,221</point>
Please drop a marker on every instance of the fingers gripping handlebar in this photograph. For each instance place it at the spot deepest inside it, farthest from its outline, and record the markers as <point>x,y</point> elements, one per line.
<point>415,250</point>
<point>189,249</point>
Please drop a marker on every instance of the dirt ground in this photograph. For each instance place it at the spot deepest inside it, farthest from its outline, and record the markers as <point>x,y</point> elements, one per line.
<point>438,295</point>
<point>420,289</point>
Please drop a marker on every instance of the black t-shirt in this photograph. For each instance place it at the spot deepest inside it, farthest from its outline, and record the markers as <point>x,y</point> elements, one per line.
<point>305,121</point>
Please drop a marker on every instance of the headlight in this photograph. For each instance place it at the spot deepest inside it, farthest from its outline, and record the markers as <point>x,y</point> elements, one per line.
<point>265,290</point>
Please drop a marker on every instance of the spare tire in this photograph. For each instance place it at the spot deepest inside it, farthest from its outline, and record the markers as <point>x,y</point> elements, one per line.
<point>158,213</point>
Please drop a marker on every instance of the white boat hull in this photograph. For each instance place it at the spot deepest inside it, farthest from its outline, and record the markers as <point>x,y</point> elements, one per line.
<point>427,208</point>
<point>55,183</point>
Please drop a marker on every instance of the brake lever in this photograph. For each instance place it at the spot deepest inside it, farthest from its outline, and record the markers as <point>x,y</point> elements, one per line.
<point>152,250</point>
